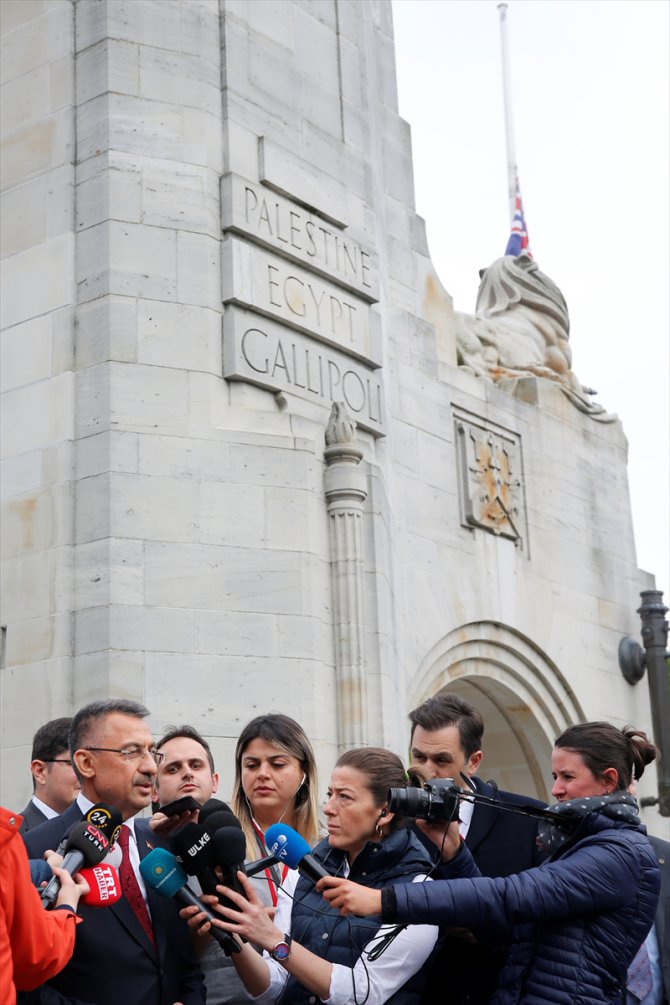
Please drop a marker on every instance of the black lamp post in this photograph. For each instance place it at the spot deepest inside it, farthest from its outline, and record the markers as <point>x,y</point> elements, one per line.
<point>634,660</point>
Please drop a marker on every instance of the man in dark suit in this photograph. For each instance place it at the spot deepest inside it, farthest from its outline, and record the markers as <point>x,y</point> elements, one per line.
<point>657,944</point>
<point>446,741</point>
<point>121,954</point>
<point>55,784</point>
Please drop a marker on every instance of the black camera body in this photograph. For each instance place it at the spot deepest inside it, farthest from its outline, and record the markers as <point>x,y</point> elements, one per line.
<point>437,800</point>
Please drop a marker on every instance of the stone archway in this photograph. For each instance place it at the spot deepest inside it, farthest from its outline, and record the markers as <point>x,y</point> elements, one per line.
<point>524,698</point>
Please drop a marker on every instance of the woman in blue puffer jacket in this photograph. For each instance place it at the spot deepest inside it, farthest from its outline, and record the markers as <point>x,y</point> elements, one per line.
<point>575,923</point>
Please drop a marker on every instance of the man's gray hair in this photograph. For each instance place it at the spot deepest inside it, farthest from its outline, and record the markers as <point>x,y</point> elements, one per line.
<point>95,710</point>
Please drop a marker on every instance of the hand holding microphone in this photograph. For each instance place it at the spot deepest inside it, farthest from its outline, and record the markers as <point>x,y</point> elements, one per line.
<point>162,872</point>
<point>229,851</point>
<point>70,889</point>
<point>86,843</point>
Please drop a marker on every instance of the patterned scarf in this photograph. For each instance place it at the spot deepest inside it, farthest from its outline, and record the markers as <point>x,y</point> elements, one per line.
<point>619,805</point>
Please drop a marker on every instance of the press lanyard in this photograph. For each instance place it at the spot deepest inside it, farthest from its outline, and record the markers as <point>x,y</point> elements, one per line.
<point>269,873</point>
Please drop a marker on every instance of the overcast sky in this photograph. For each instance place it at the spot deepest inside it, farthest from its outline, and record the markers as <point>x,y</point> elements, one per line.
<point>590,104</point>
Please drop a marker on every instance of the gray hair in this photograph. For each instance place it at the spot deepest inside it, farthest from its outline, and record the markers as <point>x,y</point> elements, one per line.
<point>83,720</point>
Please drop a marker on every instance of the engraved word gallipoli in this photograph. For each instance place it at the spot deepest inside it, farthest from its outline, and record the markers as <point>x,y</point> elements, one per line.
<point>298,292</point>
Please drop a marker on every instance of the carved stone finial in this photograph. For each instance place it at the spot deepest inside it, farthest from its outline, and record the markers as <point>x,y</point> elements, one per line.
<point>341,427</point>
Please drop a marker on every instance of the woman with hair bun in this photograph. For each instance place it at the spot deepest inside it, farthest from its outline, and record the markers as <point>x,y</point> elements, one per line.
<point>574,924</point>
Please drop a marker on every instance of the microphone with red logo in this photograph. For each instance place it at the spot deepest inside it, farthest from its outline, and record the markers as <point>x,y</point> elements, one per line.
<point>104,885</point>
<point>86,845</point>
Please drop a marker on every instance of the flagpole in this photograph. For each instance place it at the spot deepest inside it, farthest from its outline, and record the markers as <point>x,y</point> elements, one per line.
<point>509,129</point>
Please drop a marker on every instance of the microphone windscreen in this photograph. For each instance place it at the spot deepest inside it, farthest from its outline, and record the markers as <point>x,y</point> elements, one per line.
<point>213,806</point>
<point>230,846</point>
<point>161,871</point>
<point>193,845</point>
<point>114,857</point>
<point>215,821</point>
<point>107,819</point>
<point>286,844</point>
<point>104,883</point>
<point>89,841</point>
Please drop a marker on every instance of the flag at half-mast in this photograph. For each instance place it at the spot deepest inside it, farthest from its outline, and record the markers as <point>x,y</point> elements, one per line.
<point>518,243</point>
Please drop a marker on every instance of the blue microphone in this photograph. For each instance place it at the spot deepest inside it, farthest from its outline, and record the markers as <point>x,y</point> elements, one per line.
<point>161,872</point>
<point>291,849</point>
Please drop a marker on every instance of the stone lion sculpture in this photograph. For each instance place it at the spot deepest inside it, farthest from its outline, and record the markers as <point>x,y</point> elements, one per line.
<point>520,328</point>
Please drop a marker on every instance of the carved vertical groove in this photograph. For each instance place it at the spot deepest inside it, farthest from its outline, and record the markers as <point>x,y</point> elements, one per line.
<point>345,497</point>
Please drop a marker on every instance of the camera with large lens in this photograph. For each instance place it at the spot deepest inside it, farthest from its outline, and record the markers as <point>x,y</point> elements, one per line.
<point>436,800</point>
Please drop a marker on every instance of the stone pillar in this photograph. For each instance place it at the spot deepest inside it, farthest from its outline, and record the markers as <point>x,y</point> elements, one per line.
<point>345,495</point>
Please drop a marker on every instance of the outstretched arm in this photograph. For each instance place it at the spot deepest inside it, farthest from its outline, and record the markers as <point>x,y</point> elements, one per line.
<point>596,876</point>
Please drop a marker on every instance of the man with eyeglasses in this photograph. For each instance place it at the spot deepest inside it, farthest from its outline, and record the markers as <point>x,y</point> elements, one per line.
<point>55,784</point>
<point>137,950</point>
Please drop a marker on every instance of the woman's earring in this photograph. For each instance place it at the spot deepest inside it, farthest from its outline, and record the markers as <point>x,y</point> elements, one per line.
<point>380,832</point>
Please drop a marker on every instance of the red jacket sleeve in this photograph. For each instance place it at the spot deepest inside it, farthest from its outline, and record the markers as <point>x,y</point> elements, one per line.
<point>34,944</point>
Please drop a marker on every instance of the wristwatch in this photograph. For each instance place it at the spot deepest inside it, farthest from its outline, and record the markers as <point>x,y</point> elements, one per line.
<point>282,950</point>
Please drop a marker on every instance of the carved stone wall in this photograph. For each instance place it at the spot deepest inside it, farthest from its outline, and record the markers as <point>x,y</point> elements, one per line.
<point>229,247</point>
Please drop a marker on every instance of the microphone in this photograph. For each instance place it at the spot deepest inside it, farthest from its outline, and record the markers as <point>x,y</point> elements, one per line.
<point>222,818</point>
<point>114,857</point>
<point>253,868</point>
<point>213,806</point>
<point>104,883</point>
<point>194,849</point>
<point>106,818</point>
<point>85,845</point>
<point>291,849</point>
<point>161,872</point>
<point>230,849</point>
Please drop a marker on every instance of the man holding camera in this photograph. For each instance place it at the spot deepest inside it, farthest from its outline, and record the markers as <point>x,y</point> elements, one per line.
<point>446,741</point>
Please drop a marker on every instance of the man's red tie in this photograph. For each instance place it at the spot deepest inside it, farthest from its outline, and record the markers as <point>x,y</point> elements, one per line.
<point>131,888</point>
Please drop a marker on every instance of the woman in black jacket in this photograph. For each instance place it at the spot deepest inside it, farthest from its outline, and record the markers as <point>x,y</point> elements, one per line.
<point>575,923</point>
<point>312,953</point>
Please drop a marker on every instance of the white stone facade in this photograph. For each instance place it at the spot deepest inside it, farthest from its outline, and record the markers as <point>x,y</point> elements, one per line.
<point>208,237</point>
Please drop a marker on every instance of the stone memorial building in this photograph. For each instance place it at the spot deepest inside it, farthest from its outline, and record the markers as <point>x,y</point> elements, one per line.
<point>252,459</point>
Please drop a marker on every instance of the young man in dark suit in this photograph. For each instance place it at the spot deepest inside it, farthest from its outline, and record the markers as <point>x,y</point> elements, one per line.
<point>446,740</point>
<point>55,784</point>
<point>121,954</point>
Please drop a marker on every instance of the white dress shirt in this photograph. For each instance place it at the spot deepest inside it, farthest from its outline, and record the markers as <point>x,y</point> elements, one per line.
<point>48,811</point>
<point>465,811</point>
<point>375,981</point>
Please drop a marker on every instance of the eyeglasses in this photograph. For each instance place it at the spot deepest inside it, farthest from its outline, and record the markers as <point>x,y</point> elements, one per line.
<point>55,760</point>
<point>133,753</point>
